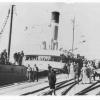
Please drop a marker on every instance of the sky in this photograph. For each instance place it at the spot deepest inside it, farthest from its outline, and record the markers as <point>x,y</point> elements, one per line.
<point>31,23</point>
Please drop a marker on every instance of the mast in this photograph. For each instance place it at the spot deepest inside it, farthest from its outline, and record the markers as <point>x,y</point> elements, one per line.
<point>10,33</point>
<point>73,21</point>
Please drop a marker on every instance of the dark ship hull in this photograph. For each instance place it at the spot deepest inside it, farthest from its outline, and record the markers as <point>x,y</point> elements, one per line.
<point>12,73</point>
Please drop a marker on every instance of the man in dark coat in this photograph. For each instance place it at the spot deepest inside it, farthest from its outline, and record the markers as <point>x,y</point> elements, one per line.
<point>15,58</point>
<point>29,69</point>
<point>2,58</point>
<point>36,70</point>
<point>66,70</point>
<point>21,57</point>
<point>52,79</point>
<point>5,56</point>
<point>32,74</point>
<point>76,71</point>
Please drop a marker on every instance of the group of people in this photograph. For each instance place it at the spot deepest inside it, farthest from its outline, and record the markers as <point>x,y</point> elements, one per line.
<point>18,58</point>
<point>88,73</point>
<point>72,70</point>
<point>85,73</point>
<point>32,73</point>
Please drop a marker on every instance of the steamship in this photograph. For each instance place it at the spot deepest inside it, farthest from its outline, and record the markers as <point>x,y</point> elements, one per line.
<point>50,55</point>
<point>15,73</point>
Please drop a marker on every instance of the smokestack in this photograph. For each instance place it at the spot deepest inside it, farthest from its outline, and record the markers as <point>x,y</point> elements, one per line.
<point>55,16</point>
<point>55,24</point>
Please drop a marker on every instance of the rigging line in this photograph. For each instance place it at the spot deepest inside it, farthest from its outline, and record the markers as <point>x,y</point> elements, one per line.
<point>5,22</point>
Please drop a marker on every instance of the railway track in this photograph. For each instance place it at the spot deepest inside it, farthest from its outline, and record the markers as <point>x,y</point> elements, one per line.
<point>89,88</point>
<point>69,88</point>
<point>65,86</point>
<point>47,87</point>
<point>69,85</point>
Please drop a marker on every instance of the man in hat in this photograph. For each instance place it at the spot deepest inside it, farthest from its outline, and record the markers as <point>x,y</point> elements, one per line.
<point>52,79</point>
<point>29,73</point>
<point>36,70</point>
<point>76,71</point>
